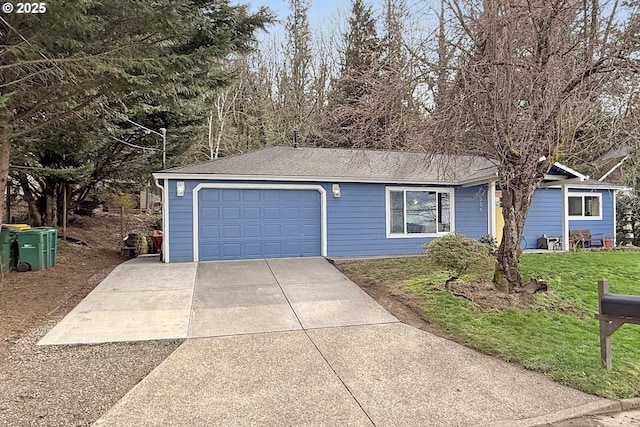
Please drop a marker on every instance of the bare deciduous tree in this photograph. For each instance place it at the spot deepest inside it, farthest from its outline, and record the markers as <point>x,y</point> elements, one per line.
<point>530,76</point>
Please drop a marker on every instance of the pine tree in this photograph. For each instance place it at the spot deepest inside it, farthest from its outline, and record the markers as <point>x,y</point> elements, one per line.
<point>354,91</point>
<point>112,60</point>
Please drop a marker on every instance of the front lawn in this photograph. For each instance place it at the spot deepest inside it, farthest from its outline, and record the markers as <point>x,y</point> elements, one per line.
<point>557,334</point>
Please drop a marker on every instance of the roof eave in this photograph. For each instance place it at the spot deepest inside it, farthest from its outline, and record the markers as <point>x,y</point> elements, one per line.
<point>222,177</point>
<point>590,185</point>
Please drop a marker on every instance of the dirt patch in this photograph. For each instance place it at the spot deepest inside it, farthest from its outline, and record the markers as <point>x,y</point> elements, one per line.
<point>68,385</point>
<point>484,294</point>
<point>402,303</point>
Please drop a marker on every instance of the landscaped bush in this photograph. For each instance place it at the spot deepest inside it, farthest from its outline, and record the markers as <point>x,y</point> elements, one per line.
<point>460,255</point>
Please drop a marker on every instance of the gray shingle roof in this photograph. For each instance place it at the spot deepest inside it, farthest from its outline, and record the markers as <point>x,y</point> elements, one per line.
<point>337,164</point>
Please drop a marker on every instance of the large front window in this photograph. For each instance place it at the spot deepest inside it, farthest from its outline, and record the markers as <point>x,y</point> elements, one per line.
<point>418,211</point>
<point>584,206</point>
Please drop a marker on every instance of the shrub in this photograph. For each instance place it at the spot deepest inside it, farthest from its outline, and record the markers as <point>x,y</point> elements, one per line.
<point>460,254</point>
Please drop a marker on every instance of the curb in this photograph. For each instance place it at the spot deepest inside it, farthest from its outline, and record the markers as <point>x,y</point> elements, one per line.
<point>628,404</point>
<point>599,407</point>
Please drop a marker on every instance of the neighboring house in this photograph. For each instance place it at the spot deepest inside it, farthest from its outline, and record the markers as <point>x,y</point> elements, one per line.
<point>291,202</point>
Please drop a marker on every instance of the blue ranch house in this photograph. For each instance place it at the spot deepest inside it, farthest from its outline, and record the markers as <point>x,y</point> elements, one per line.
<point>291,202</point>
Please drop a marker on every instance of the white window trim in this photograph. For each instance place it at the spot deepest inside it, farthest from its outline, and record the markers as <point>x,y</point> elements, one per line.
<point>583,217</point>
<point>391,235</point>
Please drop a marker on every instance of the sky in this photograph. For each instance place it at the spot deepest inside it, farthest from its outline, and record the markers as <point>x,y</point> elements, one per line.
<point>319,10</point>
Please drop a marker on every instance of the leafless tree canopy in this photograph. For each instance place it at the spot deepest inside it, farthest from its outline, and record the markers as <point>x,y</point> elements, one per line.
<point>532,85</point>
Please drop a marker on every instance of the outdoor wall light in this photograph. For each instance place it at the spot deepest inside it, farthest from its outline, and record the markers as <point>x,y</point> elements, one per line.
<point>180,188</point>
<point>336,190</point>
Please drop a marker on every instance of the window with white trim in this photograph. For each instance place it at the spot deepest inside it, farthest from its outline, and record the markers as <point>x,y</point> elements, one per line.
<point>418,211</point>
<point>584,205</point>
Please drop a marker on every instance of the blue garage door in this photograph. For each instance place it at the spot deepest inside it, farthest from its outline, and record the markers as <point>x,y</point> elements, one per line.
<point>246,223</point>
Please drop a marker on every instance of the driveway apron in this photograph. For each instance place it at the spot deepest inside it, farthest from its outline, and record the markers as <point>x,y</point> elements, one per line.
<point>385,375</point>
<point>240,297</point>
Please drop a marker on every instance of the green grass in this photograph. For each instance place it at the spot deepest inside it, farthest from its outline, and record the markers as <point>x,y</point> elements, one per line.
<point>558,337</point>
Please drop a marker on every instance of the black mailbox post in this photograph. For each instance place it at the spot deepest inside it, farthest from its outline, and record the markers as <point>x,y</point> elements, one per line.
<point>615,311</point>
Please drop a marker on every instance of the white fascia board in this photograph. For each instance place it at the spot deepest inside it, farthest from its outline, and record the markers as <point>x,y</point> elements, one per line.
<point>278,178</point>
<point>613,169</point>
<point>548,177</point>
<point>486,181</point>
<point>584,186</point>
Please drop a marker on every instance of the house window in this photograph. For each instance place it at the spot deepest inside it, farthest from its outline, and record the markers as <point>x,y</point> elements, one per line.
<point>412,212</point>
<point>585,206</point>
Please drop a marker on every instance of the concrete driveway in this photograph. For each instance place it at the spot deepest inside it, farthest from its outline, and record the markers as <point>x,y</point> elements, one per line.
<point>294,342</point>
<point>144,299</point>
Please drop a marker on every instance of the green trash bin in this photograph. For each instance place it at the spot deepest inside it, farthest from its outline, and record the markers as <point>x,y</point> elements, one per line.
<point>8,248</point>
<point>52,244</point>
<point>32,250</point>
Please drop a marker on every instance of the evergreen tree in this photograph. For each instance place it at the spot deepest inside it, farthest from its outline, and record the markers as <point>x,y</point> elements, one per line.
<point>354,91</point>
<point>112,60</point>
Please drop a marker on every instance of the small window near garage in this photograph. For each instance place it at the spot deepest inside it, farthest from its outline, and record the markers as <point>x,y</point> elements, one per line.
<point>585,206</point>
<point>413,212</point>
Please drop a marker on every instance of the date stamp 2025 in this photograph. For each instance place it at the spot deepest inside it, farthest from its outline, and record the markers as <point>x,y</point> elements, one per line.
<point>24,8</point>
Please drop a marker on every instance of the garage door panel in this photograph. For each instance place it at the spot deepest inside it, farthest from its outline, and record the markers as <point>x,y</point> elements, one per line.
<point>271,230</point>
<point>254,223</point>
<point>211,232</point>
<point>230,195</point>
<point>307,213</point>
<point>210,213</point>
<point>310,230</point>
<point>231,231</point>
<point>272,249</point>
<point>252,231</point>
<point>292,213</point>
<point>291,247</point>
<point>308,247</point>
<point>212,250</point>
<point>252,250</point>
<point>230,213</point>
<point>295,197</point>
<point>272,196</point>
<point>271,213</point>
<point>290,230</point>
<point>231,250</point>
<point>210,196</point>
<point>251,195</point>
<point>251,213</point>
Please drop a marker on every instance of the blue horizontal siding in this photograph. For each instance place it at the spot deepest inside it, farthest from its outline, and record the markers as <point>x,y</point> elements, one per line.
<point>472,211</point>
<point>598,228</point>
<point>181,222</point>
<point>356,221</point>
<point>545,216</point>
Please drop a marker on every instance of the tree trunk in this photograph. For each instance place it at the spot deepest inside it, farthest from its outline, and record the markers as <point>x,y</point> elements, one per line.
<point>50,217</point>
<point>5,151</point>
<point>63,190</point>
<point>517,192</point>
<point>32,204</point>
